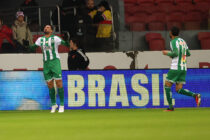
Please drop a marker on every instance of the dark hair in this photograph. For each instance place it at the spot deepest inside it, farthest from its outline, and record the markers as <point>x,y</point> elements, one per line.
<point>75,41</point>
<point>49,25</point>
<point>105,4</point>
<point>175,31</point>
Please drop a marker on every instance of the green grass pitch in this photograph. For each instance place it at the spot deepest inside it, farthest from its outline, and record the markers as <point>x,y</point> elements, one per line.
<point>130,124</point>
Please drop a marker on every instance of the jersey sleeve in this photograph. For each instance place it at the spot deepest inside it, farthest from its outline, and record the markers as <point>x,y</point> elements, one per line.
<point>188,52</point>
<point>174,51</point>
<point>33,47</point>
<point>38,42</point>
<point>60,41</point>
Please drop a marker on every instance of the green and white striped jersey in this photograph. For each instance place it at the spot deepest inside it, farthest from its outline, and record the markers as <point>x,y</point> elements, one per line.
<point>49,46</point>
<point>179,53</point>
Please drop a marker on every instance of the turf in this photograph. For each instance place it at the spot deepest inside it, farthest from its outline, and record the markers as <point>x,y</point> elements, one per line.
<point>131,124</point>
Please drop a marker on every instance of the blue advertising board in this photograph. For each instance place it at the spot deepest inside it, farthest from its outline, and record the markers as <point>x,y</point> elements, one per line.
<point>110,89</point>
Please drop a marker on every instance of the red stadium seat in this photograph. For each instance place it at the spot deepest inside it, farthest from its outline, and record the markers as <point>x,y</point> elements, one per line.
<point>146,8</point>
<point>181,2</point>
<point>203,35</point>
<point>110,67</point>
<point>192,21</point>
<point>140,2</point>
<point>130,1</point>
<point>155,41</point>
<point>157,22</point>
<point>21,69</point>
<point>204,7</point>
<point>175,9</point>
<point>63,49</point>
<point>137,22</point>
<point>204,38</point>
<point>166,2</point>
<point>151,36</point>
<point>138,27</point>
<point>175,19</point>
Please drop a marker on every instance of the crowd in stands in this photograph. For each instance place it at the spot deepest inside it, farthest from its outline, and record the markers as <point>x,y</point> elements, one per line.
<point>89,23</point>
<point>92,24</point>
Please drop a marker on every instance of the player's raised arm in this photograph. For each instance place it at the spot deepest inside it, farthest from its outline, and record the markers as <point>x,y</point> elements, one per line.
<point>64,41</point>
<point>188,52</point>
<point>33,47</point>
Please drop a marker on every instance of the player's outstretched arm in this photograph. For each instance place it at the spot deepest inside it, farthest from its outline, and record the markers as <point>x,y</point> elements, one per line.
<point>188,52</point>
<point>65,43</point>
<point>33,47</point>
<point>65,40</point>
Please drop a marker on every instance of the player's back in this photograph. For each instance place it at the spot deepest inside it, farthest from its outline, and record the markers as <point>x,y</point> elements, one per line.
<point>179,46</point>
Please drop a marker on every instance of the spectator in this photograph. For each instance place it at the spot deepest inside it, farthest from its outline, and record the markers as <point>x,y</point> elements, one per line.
<point>103,18</point>
<point>69,11</point>
<point>21,33</point>
<point>30,9</point>
<point>6,44</point>
<point>91,9</point>
<point>77,60</point>
<point>89,13</point>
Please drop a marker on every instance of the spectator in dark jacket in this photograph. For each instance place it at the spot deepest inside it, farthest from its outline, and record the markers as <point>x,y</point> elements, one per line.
<point>77,60</point>
<point>6,43</point>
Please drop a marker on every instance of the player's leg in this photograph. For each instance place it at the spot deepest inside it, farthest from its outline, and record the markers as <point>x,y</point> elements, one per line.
<point>59,85</point>
<point>180,90</point>
<point>57,74</point>
<point>50,83</point>
<point>170,80</point>
<point>169,94</point>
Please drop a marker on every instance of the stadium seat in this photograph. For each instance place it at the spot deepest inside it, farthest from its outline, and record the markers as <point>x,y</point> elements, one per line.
<point>110,67</point>
<point>130,1</point>
<point>138,27</point>
<point>176,9</point>
<point>149,9</point>
<point>63,49</point>
<point>204,7</point>
<point>166,2</point>
<point>181,2</point>
<point>138,18</point>
<point>140,2</point>
<point>20,69</point>
<point>40,69</point>
<point>204,65</point>
<point>157,22</point>
<point>155,41</point>
<point>204,38</point>
<point>192,21</point>
<point>175,19</point>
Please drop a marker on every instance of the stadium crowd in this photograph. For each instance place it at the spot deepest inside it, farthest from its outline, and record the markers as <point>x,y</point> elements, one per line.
<point>82,19</point>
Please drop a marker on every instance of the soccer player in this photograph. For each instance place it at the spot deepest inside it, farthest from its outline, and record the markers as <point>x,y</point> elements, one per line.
<point>177,73</point>
<point>52,68</point>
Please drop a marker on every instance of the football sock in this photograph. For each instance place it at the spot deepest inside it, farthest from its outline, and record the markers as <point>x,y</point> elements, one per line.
<point>52,96</point>
<point>61,95</point>
<point>169,96</point>
<point>186,92</point>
